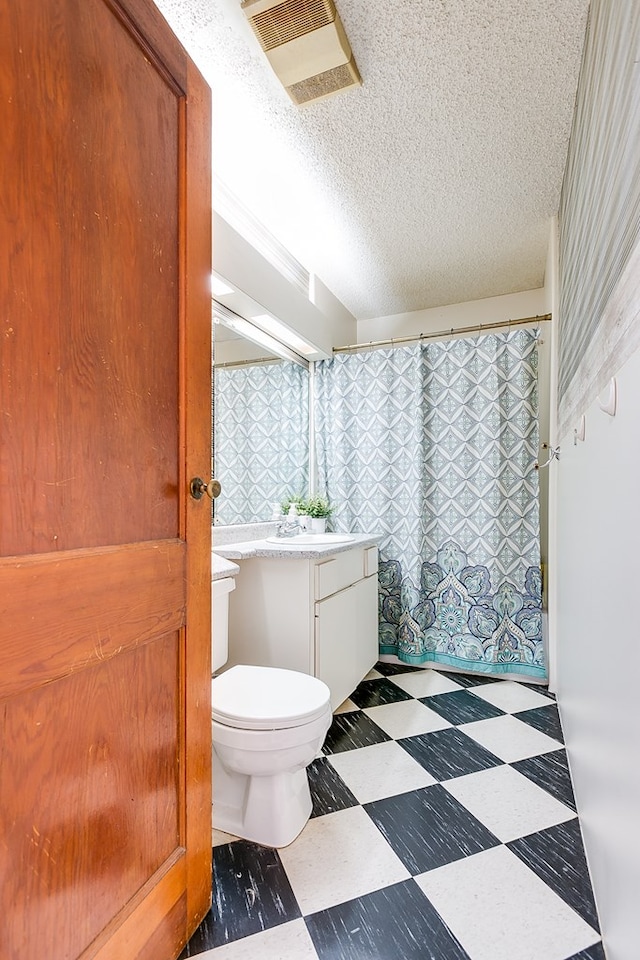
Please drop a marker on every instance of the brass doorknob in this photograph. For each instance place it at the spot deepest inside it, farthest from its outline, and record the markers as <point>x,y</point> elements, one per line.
<point>199,488</point>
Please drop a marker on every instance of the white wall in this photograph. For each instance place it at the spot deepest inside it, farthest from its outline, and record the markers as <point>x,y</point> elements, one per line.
<point>599,650</point>
<point>341,323</point>
<point>512,306</point>
<point>598,513</point>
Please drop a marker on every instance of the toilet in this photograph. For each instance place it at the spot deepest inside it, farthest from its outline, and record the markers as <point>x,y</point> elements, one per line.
<point>268,724</point>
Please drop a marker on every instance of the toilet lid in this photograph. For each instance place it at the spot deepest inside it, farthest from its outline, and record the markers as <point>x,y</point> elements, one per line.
<point>267,698</point>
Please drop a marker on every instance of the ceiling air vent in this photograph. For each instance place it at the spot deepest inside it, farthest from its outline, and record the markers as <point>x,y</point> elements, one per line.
<point>306,45</point>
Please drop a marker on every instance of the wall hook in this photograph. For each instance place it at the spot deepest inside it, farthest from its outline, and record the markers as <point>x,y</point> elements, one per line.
<point>610,401</point>
<point>580,430</point>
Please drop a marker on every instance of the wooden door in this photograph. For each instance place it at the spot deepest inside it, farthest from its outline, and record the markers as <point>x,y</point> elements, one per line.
<point>105,258</point>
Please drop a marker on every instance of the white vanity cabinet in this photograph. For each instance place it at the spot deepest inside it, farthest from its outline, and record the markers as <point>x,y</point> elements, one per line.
<point>319,616</point>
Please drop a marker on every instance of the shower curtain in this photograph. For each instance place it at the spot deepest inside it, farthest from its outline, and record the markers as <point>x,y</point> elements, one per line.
<point>433,446</point>
<point>261,431</point>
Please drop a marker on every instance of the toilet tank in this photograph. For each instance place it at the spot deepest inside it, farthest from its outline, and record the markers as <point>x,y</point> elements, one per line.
<point>220,590</point>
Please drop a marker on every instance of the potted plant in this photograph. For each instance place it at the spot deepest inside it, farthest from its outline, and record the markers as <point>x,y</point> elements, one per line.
<point>318,509</point>
<point>293,500</point>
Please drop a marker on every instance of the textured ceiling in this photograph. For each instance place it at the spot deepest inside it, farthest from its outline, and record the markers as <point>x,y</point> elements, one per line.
<point>433,183</point>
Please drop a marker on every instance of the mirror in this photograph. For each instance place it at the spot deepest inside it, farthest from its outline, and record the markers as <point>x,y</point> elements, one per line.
<point>260,428</point>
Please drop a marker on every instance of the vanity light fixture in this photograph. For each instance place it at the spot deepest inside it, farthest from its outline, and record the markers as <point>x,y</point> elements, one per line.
<point>266,322</point>
<point>249,331</point>
<point>219,287</point>
<point>246,329</point>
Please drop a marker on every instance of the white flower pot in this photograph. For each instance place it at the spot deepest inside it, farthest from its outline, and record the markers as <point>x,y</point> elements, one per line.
<point>318,524</point>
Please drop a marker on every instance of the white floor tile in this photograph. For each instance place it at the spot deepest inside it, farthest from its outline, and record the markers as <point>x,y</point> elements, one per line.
<point>347,707</point>
<point>427,683</point>
<point>374,675</point>
<point>508,803</point>
<point>379,771</point>
<point>218,837</point>
<point>509,738</point>
<point>406,718</point>
<point>510,696</point>
<point>288,941</point>
<point>338,857</point>
<point>500,910</point>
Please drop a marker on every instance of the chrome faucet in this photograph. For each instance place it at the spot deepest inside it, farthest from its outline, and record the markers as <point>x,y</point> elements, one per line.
<point>289,526</point>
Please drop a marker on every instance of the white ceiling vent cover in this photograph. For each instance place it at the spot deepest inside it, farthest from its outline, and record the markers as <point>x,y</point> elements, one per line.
<point>306,45</point>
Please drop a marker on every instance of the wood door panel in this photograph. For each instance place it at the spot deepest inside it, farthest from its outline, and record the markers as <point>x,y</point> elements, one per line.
<point>168,930</point>
<point>92,773</point>
<point>94,404</point>
<point>166,909</point>
<point>105,265</point>
<point>113,599</point>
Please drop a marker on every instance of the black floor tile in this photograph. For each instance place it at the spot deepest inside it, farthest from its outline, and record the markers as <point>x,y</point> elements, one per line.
<point>468,679</point>
<point>551,772</point>
<point>393,669</point>
<point>251,892</point>
<point>393,923</point>
<point>352,730</point>
<point>427,828</point>
<point>540,688</point>
<point>544,719</point>
<point>461,707</point>
<point>449,753</point>
<point>557,856</point>
<point>373,693</point>
<point>596,952</point>
<point>329,792</point>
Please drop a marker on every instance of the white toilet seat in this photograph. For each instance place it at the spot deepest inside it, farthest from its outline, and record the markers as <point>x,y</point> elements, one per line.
<point>267,698</point>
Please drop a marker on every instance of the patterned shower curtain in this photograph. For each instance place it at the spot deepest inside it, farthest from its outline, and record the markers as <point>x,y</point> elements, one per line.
<point>261,430</point>
<point>433,445</point>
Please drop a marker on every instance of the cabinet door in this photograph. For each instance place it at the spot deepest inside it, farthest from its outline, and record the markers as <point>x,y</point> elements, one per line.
<point>368,646</point>
<point>346,635</point>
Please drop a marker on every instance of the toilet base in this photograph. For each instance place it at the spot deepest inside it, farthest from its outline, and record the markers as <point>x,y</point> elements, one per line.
<point>270,811</point>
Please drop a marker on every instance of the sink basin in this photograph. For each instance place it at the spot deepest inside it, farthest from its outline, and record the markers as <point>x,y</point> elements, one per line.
<point>312,539</point>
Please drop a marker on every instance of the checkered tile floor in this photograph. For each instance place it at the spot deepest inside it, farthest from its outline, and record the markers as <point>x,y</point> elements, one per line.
<point>444,828</point>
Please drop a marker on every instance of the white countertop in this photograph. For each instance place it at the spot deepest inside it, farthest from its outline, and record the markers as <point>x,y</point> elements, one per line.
<point>221,567</point>
<point>285,550</point>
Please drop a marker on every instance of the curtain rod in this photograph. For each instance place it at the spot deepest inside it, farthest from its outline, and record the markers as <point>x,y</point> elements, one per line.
<point>256,361</point>
<point>481,328</point>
